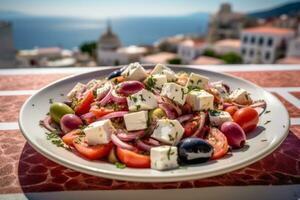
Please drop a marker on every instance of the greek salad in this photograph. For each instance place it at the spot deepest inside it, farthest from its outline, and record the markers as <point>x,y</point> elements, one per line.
<point>153,118</point>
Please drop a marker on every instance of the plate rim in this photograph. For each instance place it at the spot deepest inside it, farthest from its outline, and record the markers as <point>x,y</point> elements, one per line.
<point>137,178</point>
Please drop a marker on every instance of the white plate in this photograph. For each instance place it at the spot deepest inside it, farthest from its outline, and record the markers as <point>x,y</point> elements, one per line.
<point>260,142</point>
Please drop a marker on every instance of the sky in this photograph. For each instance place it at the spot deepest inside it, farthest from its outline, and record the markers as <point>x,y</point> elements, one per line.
<point>119,8</point>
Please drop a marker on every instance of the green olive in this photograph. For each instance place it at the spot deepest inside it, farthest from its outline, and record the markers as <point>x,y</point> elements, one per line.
<point>156,114</point>
<point>112,157</point>
<point>57,110</point>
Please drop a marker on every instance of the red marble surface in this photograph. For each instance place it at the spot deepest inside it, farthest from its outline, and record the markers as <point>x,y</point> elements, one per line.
<point>22,169</point>
<point>296,94</point>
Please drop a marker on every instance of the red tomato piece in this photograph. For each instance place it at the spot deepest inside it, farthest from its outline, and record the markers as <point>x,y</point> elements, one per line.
<point>219,141</point>
<point>133,159</point>
<point>190,128</point>
<point>94,152</point>
<point>85,104</point>
<point>247,118</point>
<point>231,110</point>
<point>100,112</point>
<point>71,136</point>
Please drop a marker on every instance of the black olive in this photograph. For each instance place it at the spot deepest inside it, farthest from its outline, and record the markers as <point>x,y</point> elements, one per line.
<point>114,74</point>
<point>193,151</point>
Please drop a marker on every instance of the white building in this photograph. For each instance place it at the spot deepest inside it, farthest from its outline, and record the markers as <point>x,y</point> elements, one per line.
<point>7,50</point>
<point>190,49</point>
<point>265,44</point>
<point>110,52</point>
<point>227,46</point>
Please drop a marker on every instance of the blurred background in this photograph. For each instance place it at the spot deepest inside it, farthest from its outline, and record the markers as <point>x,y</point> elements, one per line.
<point>63,33</point>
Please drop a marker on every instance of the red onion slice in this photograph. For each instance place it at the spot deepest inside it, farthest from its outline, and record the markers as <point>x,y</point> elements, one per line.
<point>130,87</point>
<point>107,98</point>
<point>152,142</point>
<point>117,98</point>
<point>170,114</point>
<point>184,118</point>
<point>129,136</point>
<point>199,132</point>
<point>46,123</point>
<point>172,105</point>
<point>113,115</point>
<point>143,146</point>
<point>120,143</point>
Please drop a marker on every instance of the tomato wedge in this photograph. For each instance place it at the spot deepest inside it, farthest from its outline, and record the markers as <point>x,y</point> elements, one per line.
<point>94,152</point>
<point>100,112</point>
<point>231,110</point>
<point>71,136</point>
<point>132,159</point>
<point>190,128</point>
<point>219,141</point>
<point>85,104</point>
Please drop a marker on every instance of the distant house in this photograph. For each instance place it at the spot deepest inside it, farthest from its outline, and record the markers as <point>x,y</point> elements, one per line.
<point>7,50</point>
<point>162,57</point>
<point>170,44</point>
<point>190,49</point>
<point>205,60</point>
<point>227,46</point>
<point>227,24</point>
<point>265,44</point>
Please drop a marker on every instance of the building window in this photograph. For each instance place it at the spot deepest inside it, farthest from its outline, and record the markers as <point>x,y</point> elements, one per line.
<point>251,53</point>
<point>244,51</point>
<point>267,55</point>
<point>270,42</point>
<point>261,41</point>
<point>245,39</point>
<point>253,40</point>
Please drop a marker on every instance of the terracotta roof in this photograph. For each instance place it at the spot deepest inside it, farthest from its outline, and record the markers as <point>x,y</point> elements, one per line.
<point>269,30</point>
<point>193,42</point>
<point>205,60</point>
<point>49,50</point>
<point>229,43</point>
<point>162,57</point>
<point>289,60</point>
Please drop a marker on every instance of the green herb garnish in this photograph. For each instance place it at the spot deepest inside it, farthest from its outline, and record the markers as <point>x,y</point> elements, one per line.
<point>138,107</point>
<point>268,121</point>
<point>55,139</point>
<point>150,83</point>
<point>142,97</point>
<point>120,165</point>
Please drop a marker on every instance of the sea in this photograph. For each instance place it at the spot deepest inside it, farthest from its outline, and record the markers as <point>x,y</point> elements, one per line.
<point>70,33</point>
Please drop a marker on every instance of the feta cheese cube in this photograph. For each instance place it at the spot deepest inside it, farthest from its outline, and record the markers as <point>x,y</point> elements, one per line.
<point>162,69</point>
<point>99,132</point>
<point>142,100</point>
<point>136,120</point>
<point>217,118</point>
<point>157,81</point>
<point>174,92</point>
<point>163,157</point>
<point>101,91</point>
<point>197,81</point>
<point>168,131</point>
<point>77,88</point>
<point>221,90</point>
<point>200,100</point>
<point>240,96</point>
<point>135,71</point>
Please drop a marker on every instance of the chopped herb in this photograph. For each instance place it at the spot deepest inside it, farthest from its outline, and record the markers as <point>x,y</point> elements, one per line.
<point>171,138</point>
<point>51,101</point>
<point>268,111</point>
<point>182,93</point>
<point>176,90</point>
<point>32,105</point>
<point>214,112</point>
<point>192,81</point>
<point>263,140</point>
<point>138,107</point>
<point>268,121</point>
<point>169,153</point>
<point>133,98</point>
<point>150,83</point>
<point>172,124</point>
<point>142,98</point>
<point>199,81</point>
<point>283,126</point>
<point>120,165</point>
<point>55,139</point>
<point>62,94</point>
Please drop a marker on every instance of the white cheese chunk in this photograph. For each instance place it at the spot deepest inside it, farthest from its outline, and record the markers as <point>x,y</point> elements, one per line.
<point>168,131</point>
<point>221,90</point>
<point>77,88</point>
<point>240,96</point>
<point>135,71</point>
<point>174,92</point>
<point>163,157</point>
<point>99,132</point>
<point>200,100</point>
<point>162,69</point>
<point>197,81</point>
<point>142,100</point>
<point>217,118</point>
<point>101,91</point>
<point>157,80</point>
<point>136,120</point>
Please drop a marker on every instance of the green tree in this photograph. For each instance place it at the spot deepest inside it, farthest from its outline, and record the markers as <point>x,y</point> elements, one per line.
<point>89,47</point>
<point>210,53</point>
<point>175,61</point>
<point>232,58</point>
